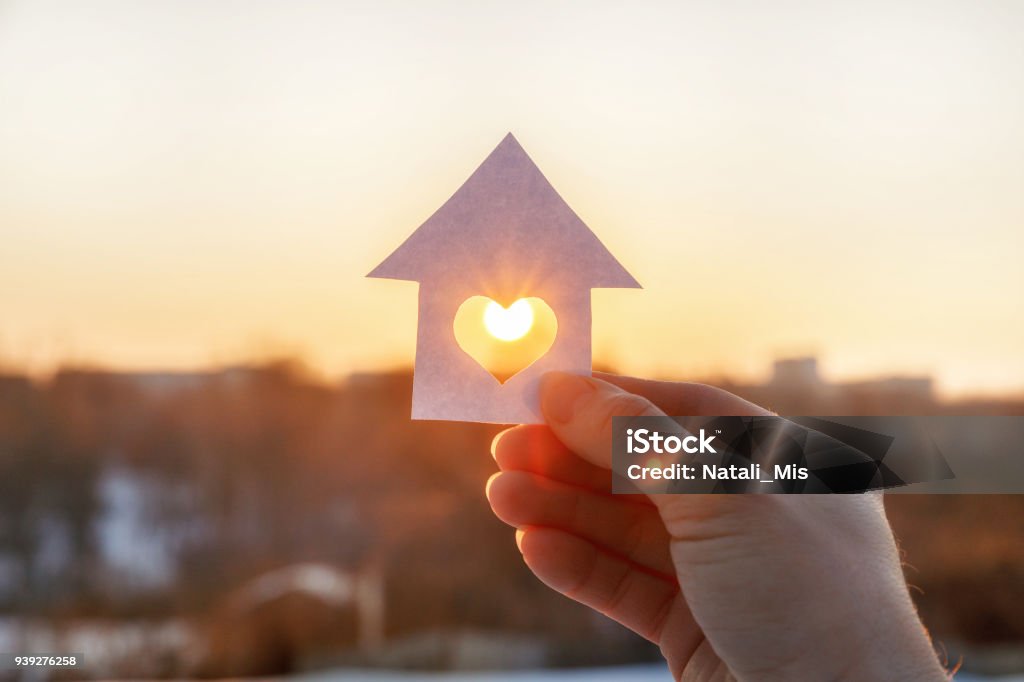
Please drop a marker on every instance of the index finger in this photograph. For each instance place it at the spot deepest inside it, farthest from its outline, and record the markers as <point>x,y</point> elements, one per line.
<point>683,398</point>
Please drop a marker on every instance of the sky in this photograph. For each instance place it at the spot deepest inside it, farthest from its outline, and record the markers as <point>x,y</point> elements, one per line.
<point>185,184</point>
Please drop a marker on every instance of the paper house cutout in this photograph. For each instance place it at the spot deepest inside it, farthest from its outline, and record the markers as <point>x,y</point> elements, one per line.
<point>505,234</point>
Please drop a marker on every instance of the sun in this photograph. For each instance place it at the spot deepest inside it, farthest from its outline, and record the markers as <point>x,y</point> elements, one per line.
<point>508,324</point>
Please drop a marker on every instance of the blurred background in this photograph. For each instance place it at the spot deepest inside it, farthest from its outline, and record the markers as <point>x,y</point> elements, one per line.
<point>207,466</point>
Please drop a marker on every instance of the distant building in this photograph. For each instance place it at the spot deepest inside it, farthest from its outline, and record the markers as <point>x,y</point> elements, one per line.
<point>797,388</point>
<point>802,371</point>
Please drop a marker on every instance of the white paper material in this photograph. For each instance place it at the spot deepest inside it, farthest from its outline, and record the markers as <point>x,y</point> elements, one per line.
<point>505,234</point>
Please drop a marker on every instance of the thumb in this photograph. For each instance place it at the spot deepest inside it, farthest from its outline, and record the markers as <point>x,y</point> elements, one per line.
<point>580,409</point>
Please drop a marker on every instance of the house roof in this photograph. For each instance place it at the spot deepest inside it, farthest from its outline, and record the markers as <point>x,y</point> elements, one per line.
<point>506,223</point>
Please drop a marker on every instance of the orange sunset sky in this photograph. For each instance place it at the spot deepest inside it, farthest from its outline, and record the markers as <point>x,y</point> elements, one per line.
<point>184,184</point>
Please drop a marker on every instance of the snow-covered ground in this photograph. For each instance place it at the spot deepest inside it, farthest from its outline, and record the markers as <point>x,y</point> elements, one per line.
<point>634,673</point>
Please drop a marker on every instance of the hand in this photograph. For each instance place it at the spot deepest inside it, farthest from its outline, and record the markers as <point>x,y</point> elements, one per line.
<point>752,587</point>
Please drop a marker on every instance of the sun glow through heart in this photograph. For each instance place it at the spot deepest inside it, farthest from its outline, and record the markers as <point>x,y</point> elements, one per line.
<point>508,324</point>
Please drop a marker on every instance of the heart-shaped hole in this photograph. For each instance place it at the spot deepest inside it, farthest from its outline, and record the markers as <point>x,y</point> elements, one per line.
<point>505,341</point>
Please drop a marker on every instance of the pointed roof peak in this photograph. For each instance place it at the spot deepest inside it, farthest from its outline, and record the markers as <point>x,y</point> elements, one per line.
<point>505,219</point>
<point>508,145</point>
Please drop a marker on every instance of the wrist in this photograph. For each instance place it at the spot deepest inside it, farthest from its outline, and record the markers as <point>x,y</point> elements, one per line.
<point>901,653</point>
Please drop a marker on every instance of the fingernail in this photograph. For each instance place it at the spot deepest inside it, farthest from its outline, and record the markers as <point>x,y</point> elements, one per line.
<point>560,393</point>
<point>519,539</point>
